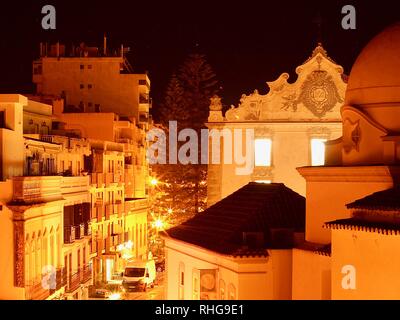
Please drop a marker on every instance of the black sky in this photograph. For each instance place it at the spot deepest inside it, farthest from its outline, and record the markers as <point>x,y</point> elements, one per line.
<point>246,42</point>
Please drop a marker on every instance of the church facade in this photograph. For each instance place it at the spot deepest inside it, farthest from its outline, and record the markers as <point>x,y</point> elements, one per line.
<point>290,125</point>
<point>351,225</point>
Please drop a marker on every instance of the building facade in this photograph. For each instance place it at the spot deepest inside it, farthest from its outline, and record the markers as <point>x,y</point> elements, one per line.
<point>352,201</point>
<point>68,222</point>
<point>240,248</point>
<point>352,236</point>
<point>290,124</point>
<point>92,80</point>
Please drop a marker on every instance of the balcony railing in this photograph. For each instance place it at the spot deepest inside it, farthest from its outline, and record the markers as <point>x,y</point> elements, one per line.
<point>74,184</point>
<point>36,291</point>
<point>88,228</point>
<point>36,189</point>
<point>79,231</point>
<point>69,234</point>
<point>82,275</point>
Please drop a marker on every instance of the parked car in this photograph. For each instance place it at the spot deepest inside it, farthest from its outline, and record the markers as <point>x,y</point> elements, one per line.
<point>102,293</point>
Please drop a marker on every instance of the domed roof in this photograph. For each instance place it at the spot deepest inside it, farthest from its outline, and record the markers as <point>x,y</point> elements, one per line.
<point>375,76</point>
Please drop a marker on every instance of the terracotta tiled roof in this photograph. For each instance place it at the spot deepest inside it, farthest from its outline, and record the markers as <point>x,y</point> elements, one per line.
<point>256,207</point>
<point>382,200</point>
<point>358,224</point>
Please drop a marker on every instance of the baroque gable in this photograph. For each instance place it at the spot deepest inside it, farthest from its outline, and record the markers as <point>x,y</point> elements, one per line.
<point>316,95</point>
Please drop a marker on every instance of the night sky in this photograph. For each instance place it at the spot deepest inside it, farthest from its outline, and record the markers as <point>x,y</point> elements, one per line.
<point>246,42</point>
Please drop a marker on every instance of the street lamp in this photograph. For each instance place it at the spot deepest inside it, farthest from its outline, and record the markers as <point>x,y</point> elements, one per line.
<point>159,224</point>
<point>153,182</point>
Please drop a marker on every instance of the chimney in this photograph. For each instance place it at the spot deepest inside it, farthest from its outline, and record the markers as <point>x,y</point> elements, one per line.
<point>105,45</point>
<point>58,49</point>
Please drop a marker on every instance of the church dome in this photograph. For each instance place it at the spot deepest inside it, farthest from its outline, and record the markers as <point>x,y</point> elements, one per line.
<point>374,81</point>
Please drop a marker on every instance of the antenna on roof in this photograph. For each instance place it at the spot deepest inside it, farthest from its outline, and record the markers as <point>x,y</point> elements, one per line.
<point>104,44</point>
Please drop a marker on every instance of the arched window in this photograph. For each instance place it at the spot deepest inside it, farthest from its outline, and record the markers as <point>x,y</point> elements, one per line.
<point>231,292</point>
<point>222,290</point>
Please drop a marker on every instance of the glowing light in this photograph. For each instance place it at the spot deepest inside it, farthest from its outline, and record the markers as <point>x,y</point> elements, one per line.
<point>115,296</point>
<point>153,181</point>
<point>263,181</point>
<point>169,211</point>
<point>318,152</point>
<point>262,152</point>
<point>159,224</point>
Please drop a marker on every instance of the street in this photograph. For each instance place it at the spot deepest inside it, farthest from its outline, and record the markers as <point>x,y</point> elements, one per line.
<point>157,293</point>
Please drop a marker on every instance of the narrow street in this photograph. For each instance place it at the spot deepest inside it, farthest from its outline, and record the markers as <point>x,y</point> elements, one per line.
<point>157,293</point>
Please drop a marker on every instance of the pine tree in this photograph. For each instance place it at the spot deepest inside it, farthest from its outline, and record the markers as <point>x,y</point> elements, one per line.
<point>183,190</point>
<point>172,108</point>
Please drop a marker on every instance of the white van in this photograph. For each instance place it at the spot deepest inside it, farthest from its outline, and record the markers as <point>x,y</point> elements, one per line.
<point>139,275</point>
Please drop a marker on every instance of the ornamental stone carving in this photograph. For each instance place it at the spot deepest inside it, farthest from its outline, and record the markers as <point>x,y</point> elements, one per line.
<point>215,104</point>
<point>19,254</point>
<point>317,94</point>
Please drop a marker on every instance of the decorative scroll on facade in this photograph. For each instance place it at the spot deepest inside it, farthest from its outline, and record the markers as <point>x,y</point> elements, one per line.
<point>317,94</point>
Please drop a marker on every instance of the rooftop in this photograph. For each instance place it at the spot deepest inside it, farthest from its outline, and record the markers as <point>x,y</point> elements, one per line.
<point>256,208</point>
<point>357,224</point>
<point>383,200</point>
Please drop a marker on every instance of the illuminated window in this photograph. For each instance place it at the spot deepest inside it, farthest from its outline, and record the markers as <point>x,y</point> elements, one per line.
<point>318,152</point>
<point>263,181</point>
<point>262,152</point>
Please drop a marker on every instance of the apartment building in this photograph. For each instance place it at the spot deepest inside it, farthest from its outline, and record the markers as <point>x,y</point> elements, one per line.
<point>67,217</point>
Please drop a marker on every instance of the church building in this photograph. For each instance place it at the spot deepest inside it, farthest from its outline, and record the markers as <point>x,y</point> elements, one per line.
<point>290,124</point>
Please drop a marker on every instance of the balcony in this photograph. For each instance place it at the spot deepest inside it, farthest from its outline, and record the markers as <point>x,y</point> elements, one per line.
<point>81,276</point>
<point>69,234</point>
<point>36,189</point>
<point>135,204</point>
<point>37,292</point>
<point>74,184</point>
<point>79,231</point>
<point>88,228</point>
